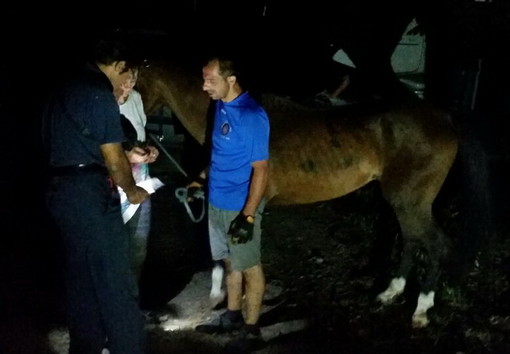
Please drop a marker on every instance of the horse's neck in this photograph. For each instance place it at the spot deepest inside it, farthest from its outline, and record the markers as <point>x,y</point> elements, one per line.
<point>182,92</point>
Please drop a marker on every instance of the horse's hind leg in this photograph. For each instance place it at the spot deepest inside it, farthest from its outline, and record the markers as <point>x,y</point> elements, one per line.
<point>436,249</point>
<point>424,239</point>
<point>419,233</point>
<point>398,282</point>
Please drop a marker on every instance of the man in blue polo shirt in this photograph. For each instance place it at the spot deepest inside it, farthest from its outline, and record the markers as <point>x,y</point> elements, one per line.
<point>82,136</point>
<point>237,180</point>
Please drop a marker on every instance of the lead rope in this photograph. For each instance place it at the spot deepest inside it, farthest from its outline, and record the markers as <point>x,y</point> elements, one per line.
<point>182,195</point>
<point>182,192</point>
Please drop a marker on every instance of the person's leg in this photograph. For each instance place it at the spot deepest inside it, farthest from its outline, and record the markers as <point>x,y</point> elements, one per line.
<point>139,228</point>
<point>255,286</point>
<point>70,201</point>
<point>86,330</point>
<point>246,258</point>
<point>219,221</point>
<point>234,288</point>
<point>131,226</point>
<point>115,285</point>
<point>217,234</point>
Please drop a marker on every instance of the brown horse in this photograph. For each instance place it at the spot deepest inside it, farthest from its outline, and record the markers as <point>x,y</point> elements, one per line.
<point>322,154</point>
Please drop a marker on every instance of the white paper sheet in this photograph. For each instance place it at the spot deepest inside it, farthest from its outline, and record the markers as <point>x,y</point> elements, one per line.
<point>150,185</point>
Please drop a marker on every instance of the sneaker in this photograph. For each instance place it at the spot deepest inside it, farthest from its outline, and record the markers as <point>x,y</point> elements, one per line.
<point>223,325</point>
<point>245,341</point>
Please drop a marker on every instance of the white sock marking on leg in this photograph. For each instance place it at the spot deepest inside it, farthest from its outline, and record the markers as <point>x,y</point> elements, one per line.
<point>395,288</point>
<point>217,281</point>
<point>425,302</point>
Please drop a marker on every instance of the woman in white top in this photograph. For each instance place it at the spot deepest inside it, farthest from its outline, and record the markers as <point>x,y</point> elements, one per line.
<point>140,154</point>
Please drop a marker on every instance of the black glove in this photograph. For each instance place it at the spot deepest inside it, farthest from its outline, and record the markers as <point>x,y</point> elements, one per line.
<point>241,230</point>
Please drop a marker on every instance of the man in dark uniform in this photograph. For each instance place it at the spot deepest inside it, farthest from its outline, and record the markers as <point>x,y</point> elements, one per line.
<point>82,138</point>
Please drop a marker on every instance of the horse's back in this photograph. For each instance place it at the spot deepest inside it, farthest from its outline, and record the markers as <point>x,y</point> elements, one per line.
<point>323,154</point>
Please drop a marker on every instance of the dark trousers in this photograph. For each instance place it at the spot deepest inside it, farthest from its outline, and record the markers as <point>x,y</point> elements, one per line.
<point>102,295</point>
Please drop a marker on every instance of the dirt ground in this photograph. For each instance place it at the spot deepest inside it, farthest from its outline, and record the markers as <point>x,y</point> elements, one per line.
<point>327,261</point>
<point>330,260</point>
<point>326,257</point>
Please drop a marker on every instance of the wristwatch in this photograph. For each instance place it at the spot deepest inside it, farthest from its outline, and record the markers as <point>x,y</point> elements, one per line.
<point>250,219</point>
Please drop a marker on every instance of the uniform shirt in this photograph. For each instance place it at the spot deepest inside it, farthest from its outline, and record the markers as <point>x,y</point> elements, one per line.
<point>81,116</point>
<point>240,136</point>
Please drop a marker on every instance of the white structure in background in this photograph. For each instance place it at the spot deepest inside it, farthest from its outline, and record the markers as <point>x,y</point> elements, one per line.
<point>408,60</point>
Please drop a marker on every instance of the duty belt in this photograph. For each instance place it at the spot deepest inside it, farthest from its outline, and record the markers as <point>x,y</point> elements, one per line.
<point>80,169</point>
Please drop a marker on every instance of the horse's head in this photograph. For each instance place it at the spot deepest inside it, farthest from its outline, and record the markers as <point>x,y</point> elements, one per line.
<point>162,84</point>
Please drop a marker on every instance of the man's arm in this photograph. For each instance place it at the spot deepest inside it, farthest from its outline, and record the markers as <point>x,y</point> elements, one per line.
<point>241,228</point>
<point>120,170</point>
<point>199,181</point>
<point>257,186</point>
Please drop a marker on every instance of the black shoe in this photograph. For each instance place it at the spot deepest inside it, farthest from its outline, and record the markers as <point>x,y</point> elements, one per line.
<point>246,340</point>
<point>223,325</point>
<point>154,317</point>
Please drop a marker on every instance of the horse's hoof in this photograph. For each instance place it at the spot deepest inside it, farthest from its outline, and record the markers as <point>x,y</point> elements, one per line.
<point>396,288</point>
<point>420,320</point>
<point>425,302</point>
<point>386,298</point>
<point>216,298</point>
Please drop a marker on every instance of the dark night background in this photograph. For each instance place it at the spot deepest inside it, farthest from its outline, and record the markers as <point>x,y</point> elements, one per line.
<point>290,44</point>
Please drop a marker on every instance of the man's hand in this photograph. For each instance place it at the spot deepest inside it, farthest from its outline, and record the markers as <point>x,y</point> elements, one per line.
<point>194,193</point>
<point>195,189</point>
<point>137,195</point>
<point>138,155</point>
<point>153,153</point>
<point>241,229</point>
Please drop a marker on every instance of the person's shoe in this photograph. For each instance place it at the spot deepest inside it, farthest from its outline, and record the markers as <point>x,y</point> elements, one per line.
<point>224,325</point>
<point>246,340</point>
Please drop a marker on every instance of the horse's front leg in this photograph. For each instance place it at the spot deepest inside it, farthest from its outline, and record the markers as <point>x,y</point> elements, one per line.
<point>217,294</point>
